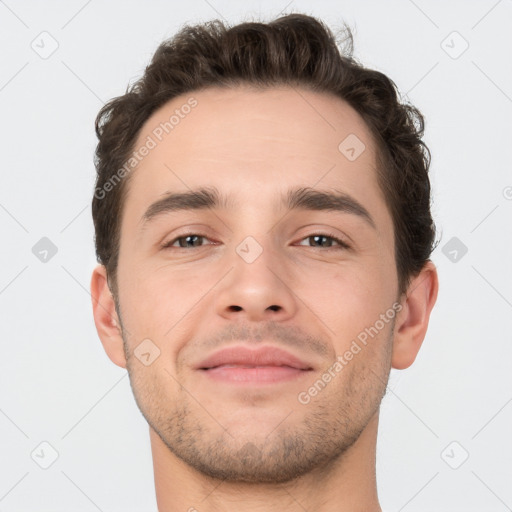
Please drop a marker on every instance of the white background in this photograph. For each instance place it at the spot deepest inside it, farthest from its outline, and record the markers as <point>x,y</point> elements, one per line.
<point>57,384</point>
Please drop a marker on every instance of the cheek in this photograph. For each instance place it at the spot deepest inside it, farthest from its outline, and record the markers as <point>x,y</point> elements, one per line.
<point>345,298</point>
<point>146,307</point>
<point>162,303</point>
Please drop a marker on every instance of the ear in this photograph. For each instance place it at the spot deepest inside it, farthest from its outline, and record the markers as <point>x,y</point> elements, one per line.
<point>412,320</point>
<point>105,317</point>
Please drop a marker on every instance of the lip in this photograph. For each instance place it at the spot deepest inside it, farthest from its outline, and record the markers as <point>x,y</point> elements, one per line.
<point>240,356</point>
<point>258,375</point>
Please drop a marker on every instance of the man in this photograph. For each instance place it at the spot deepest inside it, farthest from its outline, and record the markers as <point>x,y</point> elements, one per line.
<point>263,228</point>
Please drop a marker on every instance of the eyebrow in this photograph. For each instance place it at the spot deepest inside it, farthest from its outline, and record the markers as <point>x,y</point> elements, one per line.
<point>296,199</point>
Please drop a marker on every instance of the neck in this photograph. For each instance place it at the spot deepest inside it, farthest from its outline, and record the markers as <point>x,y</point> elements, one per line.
<point>348,484</point>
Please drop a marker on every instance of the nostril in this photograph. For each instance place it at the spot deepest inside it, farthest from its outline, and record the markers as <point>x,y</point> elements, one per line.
<point>238,308</point>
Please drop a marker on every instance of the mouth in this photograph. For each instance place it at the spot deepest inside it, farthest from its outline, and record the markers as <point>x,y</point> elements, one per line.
<point>254,374</point>
<point>264,365</point>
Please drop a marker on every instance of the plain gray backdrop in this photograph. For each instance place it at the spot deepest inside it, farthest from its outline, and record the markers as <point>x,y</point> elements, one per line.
<point>444,441</point>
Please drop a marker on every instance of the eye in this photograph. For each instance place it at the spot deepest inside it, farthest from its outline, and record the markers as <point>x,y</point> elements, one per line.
<point>188,240</point>
<point>192,240</point>
<point>320,237</point>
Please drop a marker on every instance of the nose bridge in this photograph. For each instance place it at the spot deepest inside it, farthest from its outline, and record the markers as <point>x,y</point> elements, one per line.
<point>254,236</point>
<point>258,261</point>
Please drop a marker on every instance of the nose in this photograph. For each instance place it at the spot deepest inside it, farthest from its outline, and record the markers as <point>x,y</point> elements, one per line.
<point>259,286</point>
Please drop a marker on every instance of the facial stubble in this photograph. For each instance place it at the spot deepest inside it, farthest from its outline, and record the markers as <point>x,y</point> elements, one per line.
<point>328,426</point>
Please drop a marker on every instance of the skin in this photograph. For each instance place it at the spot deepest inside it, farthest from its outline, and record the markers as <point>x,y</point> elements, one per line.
<point>218,446</point>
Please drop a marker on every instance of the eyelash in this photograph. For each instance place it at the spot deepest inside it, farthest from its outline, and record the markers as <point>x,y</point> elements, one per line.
<point>342,243</point>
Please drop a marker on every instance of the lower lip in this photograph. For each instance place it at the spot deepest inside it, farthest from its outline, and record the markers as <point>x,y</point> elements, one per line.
<point>257,375</point>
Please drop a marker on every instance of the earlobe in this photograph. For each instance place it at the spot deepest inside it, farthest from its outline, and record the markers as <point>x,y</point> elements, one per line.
<point>412,321</point>
<point>105,317</point>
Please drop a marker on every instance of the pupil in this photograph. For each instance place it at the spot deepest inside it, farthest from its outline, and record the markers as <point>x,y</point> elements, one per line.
<point>188,238</point>
<point>317,237</point>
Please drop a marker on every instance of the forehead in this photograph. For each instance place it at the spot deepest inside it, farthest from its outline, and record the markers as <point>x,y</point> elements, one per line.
<point>288,121</point>
<point>242,140</point>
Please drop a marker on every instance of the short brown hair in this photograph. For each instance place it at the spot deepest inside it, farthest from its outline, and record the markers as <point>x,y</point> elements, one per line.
<point>295,50</point>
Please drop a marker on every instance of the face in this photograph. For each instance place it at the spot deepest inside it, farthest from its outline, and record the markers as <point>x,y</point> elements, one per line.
<point>253,273</point>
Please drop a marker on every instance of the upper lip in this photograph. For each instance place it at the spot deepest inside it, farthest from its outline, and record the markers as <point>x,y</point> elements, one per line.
<point>262,356</point>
